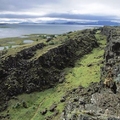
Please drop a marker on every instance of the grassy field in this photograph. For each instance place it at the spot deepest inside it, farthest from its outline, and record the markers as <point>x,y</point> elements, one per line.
<point>19,40</point>
<point>86,70</point>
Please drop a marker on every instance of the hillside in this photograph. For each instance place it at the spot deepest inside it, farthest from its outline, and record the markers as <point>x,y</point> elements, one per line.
<point>48,79</point>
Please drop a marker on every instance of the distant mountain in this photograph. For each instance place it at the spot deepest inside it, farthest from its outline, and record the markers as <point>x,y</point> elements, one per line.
<point>86,23</point>
<point>3,23</point>
<point>26,23</point>
<point>98,22</point>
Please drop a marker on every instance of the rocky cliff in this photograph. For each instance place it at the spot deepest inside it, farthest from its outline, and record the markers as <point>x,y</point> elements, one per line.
<point>100,101</point>
<point>34,69</point>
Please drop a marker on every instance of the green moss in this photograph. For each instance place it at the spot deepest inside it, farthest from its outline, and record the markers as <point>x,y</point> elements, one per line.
<point>36,102</point>
<point>83,75</point>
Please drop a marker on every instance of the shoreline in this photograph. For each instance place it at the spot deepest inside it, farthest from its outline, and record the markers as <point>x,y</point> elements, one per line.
<point>17,30</point>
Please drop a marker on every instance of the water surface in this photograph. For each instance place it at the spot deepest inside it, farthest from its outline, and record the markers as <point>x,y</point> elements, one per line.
<point>28,41</point>
<point>18,30</point>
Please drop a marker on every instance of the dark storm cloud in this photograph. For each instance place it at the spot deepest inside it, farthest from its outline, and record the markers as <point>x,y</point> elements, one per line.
<point>79,16</point>
<point>59,16</point>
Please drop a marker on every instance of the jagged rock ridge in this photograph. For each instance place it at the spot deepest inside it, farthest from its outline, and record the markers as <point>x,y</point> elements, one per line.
<point>24,73</point>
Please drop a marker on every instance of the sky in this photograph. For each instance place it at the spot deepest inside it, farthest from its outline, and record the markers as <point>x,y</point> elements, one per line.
<point>60,10</point>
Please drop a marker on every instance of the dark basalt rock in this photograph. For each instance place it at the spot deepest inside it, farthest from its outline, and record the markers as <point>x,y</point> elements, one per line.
<point>62,99</point>
<point>52,108</point>
<point>83,117</point>
<point>113,118</point>
<point>89,65</point>
<point>43,112</point>
<point>56,112</point>
<point>22,74</point>
<point>24,104</point>
<point>112,55</point>
<point>3,73</point>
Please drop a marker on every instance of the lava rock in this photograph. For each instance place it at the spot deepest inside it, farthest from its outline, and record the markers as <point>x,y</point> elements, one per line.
<point>52,108</point>
<point>43,112</point>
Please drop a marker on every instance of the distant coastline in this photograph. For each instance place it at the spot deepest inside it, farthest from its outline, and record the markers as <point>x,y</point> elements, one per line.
<point>18,30</point>
<point>64,22</point>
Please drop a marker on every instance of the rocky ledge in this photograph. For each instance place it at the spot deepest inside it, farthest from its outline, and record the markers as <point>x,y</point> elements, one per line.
<point>100,101</point>
<point>32,69</point>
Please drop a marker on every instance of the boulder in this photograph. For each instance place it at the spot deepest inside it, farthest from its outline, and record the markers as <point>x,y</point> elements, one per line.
<point>43,112</point>
<point>62,99</point>
<point>89,65</point>
<point>52,108</point>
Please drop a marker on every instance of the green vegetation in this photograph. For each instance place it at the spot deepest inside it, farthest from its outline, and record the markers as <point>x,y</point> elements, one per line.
<point>55,40</point>
<point>86,70</point>
<point>83,75</point>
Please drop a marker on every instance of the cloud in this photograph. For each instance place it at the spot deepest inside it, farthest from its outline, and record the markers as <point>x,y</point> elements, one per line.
<point>20,16</point>
<point>80,16</point>
<point>59,9</point>
<point>56,15</point>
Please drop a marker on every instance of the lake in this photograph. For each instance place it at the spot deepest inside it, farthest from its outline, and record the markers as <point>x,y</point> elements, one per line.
<point>18,30</point>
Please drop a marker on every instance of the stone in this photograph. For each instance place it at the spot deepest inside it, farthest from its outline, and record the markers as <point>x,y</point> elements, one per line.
<point>49,39</point>
<point>61,80</point>
<point>52,108</point>
<point>62,99</point>
<point>76,99</point>
<point>112,118</point>
<point>89,65</point>
<point>56,112</point>
<point>48,118</point>
<point>43,112</point>
<point>83,117</point>
<point>24,104</point>
<point>14,97</point>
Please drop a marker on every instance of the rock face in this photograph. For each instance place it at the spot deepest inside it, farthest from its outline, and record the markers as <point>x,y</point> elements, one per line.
<point>111,70</point>
<point>100,101</point>
<point>94,103</point>
<point>24,73</point>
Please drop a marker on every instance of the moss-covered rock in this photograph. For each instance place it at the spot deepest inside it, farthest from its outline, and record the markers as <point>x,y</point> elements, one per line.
<point>24,72</point>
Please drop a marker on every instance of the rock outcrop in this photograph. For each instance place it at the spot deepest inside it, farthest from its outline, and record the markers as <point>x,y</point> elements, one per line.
<point>25,73</point>
<point>100,101</point>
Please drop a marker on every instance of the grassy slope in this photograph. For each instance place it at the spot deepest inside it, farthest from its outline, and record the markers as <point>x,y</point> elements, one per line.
<point>79,75</point>
<point>54,42</point>
<point>19,41</point>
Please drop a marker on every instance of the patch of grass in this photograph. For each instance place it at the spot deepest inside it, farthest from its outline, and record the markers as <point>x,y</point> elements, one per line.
<point>83,75</point>
<point>98,32</point>
<point>36,102</point>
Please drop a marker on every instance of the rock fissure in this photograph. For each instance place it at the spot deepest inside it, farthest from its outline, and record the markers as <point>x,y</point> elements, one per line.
<point>21,74</point>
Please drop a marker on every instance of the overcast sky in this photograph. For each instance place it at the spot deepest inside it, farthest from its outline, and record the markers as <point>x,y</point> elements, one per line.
<point>45,10</point>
